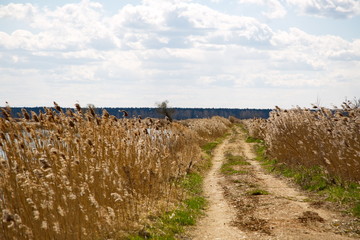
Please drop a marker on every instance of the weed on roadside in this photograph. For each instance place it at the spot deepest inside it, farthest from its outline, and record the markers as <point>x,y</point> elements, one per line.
<point>172,223</point>
<point>209,147</point>
<point>253,140</point>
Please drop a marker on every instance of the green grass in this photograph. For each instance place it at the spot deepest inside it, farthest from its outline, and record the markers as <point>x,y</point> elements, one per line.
<point>345,193</point>
<point>242,128</point>
<point>209,147</point>
<point>228,170</point>
<point>253,140</point>
<point>236,160</point>
<point>173,222</point>
<point>260,151</point>
<point>314,179</point>
<point>356,210</point>
<point>231,161</point>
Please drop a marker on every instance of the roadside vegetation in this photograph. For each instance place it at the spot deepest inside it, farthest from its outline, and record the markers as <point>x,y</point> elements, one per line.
<point>318,148</point>
<point>172,223</point>
<point>79,175</point>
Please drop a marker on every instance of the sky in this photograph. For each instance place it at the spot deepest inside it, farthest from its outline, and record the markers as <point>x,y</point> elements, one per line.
<point>193,53</point>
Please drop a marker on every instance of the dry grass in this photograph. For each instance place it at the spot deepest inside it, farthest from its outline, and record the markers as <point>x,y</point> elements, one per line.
<point>208,129</point>
<point>317,137</point>
<point>77,175</point>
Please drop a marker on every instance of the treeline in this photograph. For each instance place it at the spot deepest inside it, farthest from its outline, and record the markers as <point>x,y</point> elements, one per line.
<point>179,114</point>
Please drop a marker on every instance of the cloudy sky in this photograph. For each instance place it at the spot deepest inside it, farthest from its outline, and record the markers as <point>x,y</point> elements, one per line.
<point>194,53</point>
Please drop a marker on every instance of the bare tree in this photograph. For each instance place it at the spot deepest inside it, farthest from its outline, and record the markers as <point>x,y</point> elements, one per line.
<point>356,102</point>
<point>164,109</point>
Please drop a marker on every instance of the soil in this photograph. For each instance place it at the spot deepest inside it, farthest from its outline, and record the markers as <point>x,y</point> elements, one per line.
<point>254,204</point>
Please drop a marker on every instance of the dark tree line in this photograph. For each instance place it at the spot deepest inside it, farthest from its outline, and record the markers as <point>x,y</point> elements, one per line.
<point>177,113</point>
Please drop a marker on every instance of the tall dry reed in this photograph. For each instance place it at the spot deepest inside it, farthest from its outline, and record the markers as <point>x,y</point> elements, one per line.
<point>314,137</point>
<point>77,175</point>
<point>209,128</point>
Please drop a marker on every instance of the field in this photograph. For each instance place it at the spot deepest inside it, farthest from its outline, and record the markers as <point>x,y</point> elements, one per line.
<point>318,148</point>
<point>77,175</point>
<point>74,174</point>
<point>314,137</point>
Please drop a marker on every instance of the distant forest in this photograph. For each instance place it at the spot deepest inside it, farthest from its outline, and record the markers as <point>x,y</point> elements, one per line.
<point>179,114</point>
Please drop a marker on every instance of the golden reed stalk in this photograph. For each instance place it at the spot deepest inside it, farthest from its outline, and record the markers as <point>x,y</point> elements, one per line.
<point>314,137</point>
<point>77,175</point>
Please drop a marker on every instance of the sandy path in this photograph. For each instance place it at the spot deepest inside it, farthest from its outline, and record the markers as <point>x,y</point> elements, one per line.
<point>285,213</point>
<point>288,212</point>
<point>220,214</point>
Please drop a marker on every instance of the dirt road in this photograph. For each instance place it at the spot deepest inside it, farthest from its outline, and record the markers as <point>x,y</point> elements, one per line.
<point>252,204</point>
<point>220,214</point>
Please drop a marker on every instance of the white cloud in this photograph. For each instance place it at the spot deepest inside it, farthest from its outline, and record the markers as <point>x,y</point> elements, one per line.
<point>278,79</point>
<point>275,8</point>
<point>328,8</point>
<point>258,2</point>
<point>167,47</point>
<point>316,46</point>
<point>150,25</point>
<point>71,26</point>
<point>183,25</point>
<point>320,8</point>
<point>350,52</point>
<point>18,11</point>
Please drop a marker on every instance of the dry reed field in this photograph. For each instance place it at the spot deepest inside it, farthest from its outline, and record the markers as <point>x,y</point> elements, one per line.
<point>208,129</point>
<point>77,175</point>
<point>314,137</point>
